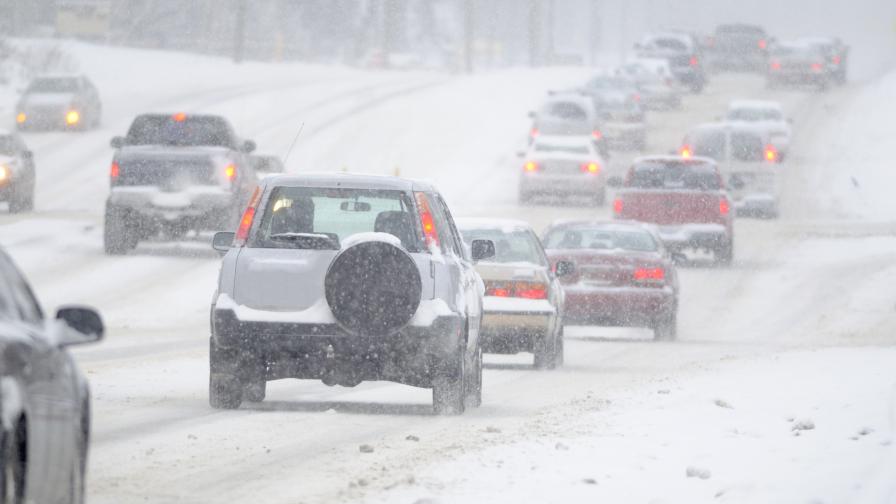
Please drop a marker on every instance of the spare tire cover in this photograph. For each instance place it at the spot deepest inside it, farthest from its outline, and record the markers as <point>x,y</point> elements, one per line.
<point>373,288</point>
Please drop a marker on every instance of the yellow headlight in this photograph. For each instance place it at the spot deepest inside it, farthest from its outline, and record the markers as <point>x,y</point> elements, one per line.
<point>72,117</point>
<point>21,117</point>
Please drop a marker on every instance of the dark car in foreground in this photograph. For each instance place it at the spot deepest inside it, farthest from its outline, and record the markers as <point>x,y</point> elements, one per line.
<point>17,173</point>
<point>59,102</point>
<point>44,398</point>
<point>345,279</point>
<point>685,199</point>
<point>175,173</point>
<point>621,275</point>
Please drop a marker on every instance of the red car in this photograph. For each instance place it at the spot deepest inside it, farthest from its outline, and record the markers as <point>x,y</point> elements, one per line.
<point>623,275</point>
<point>685,197</point>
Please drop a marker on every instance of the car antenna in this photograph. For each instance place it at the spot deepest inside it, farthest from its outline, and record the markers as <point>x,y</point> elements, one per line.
<point>293,144</point>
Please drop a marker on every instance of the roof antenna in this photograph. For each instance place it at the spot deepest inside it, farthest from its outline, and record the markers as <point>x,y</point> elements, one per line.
<point>293,144</point>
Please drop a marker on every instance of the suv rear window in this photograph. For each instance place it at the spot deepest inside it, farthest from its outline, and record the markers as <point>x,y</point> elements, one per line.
<point>701,177</point>
<point>710,144</point>
<point>609,238</point>
<point>320,218</point>
<point>746,147</point>
<point>53,85</point>
<point>566,110</point>
<point>180,131</point>
<point>510,247</point>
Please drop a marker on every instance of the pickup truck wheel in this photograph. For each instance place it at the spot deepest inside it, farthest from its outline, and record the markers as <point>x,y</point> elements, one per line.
<point>225,391</point>
<point>473,396</point>
<point>724,256</point>
<point>118,238</point>
<point>666,328</point>
<point>448,388</point>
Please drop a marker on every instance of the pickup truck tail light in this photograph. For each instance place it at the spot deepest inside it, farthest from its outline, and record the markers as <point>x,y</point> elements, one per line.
<point>771,154</point>
<point>531,167</point>
<point>523,290</point>
<point>427,221</point>
<point>242,232</point>
<point>649,275</point>
<point>590,168</point>
<point>618,206</point>
<point>114,172</point>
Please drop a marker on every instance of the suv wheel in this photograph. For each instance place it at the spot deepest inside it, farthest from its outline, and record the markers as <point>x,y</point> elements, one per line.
<point>448,387</point>
<point>118,237</point>
<point>666,328</point>
<point>225,391</point>
<point>473,394</point>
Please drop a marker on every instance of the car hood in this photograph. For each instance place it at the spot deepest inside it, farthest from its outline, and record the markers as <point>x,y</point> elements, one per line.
<point>46,99</point>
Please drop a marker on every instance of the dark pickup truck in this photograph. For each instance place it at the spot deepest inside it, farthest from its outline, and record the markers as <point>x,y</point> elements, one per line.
<point>685,198</point>
<point>173,174</point>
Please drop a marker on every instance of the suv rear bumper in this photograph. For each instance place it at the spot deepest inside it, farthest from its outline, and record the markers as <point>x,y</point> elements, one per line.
<point>695,236</point>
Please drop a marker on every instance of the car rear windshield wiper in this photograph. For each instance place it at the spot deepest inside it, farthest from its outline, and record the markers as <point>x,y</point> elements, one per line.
<point>313,241</point>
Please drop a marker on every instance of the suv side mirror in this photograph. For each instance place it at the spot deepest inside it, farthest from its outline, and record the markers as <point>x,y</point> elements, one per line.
<point>248,146</point>
<point>86,324</point>
<point>564,268</point>
<point>223,241</point>
<point>118,142</point>
<point>482,250</point>
<point>615,181</point>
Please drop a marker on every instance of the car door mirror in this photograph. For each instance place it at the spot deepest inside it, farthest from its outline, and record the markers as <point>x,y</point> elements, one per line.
<point>118,142</point>
<point>85,324</point>
<point>223,241</point>
<point>564,268</point>
<point>482,250</point>
<point>248,146</point>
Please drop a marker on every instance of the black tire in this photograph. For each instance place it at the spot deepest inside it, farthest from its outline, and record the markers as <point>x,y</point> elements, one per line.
<point>559,357</point>
<point>225,391</point>
<point>12,470</point>
<point>524,198</point>
<point>118,237</point>
<point>724,256</point>
<point>545,351</point>
<point>255,382</point>
<point>22,201</point>
<point>666,328</point>
<point>473,395</point>
<point>448,387</point>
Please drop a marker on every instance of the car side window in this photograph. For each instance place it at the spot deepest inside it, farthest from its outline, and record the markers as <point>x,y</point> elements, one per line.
<point>22,301</point>
<point>542,256</point>
<point>457,237</point>
<point>446,233</point>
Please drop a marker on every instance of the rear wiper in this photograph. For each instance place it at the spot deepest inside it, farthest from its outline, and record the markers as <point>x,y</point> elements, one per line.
<point>314,241</point>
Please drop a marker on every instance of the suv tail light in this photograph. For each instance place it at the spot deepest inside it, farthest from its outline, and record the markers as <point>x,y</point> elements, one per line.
<point>531,167</point>
<point>686,152</point>
<point>591,168</point>
<point>230,172</point>
<point>617,206</point>
<point>762,43</point>
<point>816,67</point>
<point>771,154</point>
<point>242,232</point>
<point>775,65</point>
<point>524,290</point>
<point>427,221</point>
<point>693,62</point>
<point>597,135</point>
<point>649,275</point>
<point>114,172</point>
<point>724,206</point>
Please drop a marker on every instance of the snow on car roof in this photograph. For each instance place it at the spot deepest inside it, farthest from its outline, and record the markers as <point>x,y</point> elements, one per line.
<point>669,158</point>
<point>738,126</point>
<point>754,104</point>
<point>505,225</point>
<point>348,180</point>
<point>564,140</point>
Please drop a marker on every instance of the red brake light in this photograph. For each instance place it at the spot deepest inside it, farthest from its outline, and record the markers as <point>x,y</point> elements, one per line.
<point>597,135</point>
<point>693,61</point>
<point>724,206</point>
<point>114,170</point>
<point>837,60</point>
<point>179,117</point>
<point>636,97</point>
<point>686,152</point>
<point>242,232</point>
<point>647,274</point>
<point>532,291</point>
<point>427,222</point>
<point>534,132</point>
<point>617,205</point>
<point>497,292</point>
<point>762,44</point>
<point>776,65</point>
<point>531,166</point>
<point>230,172</point>
<point>771,154</point>
<point>525,290</point>
<point>816,67</point>
<point>592,168</point>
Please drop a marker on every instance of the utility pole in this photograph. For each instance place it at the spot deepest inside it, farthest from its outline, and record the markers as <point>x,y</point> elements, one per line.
<point>549,28</point>
<point>534,33</point>
<point>469,33</point>
<point>239,32</point>
<point>594,28</point>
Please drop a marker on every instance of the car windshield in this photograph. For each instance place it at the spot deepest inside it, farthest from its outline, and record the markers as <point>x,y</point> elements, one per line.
<point>180,131</point>
<point>565,110</point>
<point>688,176</point>
<point>600,237</point>
<point>321,218</point>
<point>562,149</point>
<point>747,147</point>
<point>754,114</point>
<point>518,246</point>
<point>709,144</point>
<point>53,85</point>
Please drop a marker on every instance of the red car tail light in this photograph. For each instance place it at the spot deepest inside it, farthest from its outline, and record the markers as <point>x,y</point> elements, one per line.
<point>649,274</point>
<point>114,171</point>
<point>531,167</point>
<point>591,168</point>
<point>724,206</point>
<point>762,43</point>
<point>693,62</point>
<point>523,290</point>
<point>686,152</point>
<point>816,67</point>
<point>771,153</point>
<point>617,206</point>
<point>775,65</point>
<point>427,222</point>
<point>230,172</point>
<point>597,135</point>
<point>242,232</point>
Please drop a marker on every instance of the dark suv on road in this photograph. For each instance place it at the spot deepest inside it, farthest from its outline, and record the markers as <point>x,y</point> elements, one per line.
<point>344,279</point>
<point>176,173</point>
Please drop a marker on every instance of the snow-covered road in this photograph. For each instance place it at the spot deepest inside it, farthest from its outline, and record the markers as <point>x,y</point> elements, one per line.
<point>800,328</point>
